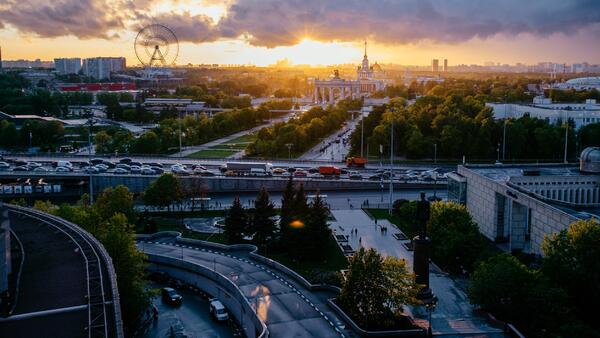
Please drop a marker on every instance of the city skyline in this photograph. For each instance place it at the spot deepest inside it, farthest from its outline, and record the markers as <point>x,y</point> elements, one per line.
<point>239,32</point>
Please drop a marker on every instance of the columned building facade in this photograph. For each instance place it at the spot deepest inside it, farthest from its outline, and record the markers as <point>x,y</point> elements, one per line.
<point>336,88</point>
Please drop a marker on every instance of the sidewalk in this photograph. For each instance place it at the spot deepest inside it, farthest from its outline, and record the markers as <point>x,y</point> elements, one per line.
<point>193,149</point>
<point>454,314</point>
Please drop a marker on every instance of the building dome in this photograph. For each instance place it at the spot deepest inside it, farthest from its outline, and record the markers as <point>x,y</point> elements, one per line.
<point>590,160</point>
<point>376,67</point>
<point>587,81</point>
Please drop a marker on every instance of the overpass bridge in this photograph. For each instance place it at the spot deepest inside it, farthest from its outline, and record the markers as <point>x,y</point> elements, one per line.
<point>64,283</point>
<point>260,293</point>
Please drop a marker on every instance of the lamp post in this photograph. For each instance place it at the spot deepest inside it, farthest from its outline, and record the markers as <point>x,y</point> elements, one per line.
<point>434,153</point>
<point>391,165</point>
<point>430,306</point>
<point>362,132</point>
<point>90,124</point>
<point>566,140</point>
<point>179,116</point>
<point>289,146</point>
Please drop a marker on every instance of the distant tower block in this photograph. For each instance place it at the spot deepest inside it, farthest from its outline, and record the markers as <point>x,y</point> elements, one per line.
<point>1,59</point>
<point>435,65</point>
<point>445,65</point>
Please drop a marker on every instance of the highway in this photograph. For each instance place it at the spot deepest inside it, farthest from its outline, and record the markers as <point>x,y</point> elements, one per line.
<point>287,308</point>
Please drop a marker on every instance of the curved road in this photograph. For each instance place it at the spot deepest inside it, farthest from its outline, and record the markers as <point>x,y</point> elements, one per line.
<point>287,308</point>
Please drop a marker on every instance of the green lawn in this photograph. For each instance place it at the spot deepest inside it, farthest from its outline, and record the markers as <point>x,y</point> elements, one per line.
<point>333,261</point>
<point>212,153</point>
<point>406,226</point>
<point>175,225</point>
<point>248,138</point>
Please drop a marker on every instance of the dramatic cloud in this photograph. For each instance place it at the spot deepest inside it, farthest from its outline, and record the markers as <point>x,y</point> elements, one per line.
<point>284,22</point>
<point>271,22</point>
<point>81,18</point>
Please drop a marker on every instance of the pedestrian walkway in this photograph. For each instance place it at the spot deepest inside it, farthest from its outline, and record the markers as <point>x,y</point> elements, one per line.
<point>193,149</point>
<point>454,314</point>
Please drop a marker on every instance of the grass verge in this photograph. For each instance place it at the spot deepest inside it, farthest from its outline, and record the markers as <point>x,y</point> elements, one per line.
<point>212,153</point>
<point>333,260</point>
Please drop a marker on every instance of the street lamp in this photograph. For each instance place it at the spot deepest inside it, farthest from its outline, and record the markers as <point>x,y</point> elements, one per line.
<point>566,140</point>
<point>90,124</point>
<point>430,306</point>
<point>289,146</point>
<point>434,153</point>
<point>391,165</point>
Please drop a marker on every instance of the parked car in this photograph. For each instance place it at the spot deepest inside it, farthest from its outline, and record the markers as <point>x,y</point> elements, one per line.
<point>40,169</point>
<point>300,173</point>
<point>278,171</point>
<point>218,310</point>
<point>4,165</point>
<point>170,296</point>
<point>91,170</point>
<point>121,171</point>
<point>147,171</point>
<point>63,169</point>
<point>20,168</point>
<point>100,168</point>
<point>125,160</point>
<point>123,166</point>
<point>158,170</point>
<point>135,169</point>
<point>33,165</point>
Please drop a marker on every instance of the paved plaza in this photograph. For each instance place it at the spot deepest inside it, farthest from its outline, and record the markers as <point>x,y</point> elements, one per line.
<point>454,314</point>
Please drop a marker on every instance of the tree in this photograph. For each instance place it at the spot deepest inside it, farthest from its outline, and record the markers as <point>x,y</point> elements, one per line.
<point>455,239</point>
<point>102,141</point>
<point>507,288</point>
<point>375,289</point>
<point>236,222</point>
<point>163,192</point>
<point>263,226</point>
<point>317,229</point>
<point>112,201</point>
<point>287,211</point>
<point>129,267</point>
<point>572,260</point>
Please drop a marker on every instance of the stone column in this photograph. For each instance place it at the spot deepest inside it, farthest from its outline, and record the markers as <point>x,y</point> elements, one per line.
<point>322,94</point>
<point>331,101</point>
<point>316,94</point>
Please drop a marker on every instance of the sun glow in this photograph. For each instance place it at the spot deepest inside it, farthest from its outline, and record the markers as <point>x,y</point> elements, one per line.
<point>312,52</point>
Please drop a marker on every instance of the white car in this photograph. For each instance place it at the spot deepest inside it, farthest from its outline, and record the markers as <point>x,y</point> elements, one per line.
<point>218,310</point>
<point>63,169</point>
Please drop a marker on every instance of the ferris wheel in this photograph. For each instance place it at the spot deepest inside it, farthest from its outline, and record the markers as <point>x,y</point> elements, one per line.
<point>156,46</point>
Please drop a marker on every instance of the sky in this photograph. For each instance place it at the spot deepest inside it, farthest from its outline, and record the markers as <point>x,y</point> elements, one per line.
<point>315,32</point>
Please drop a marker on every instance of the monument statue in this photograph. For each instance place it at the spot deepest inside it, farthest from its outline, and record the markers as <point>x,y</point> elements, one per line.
<point>421,247</point>
<point>423,213</point>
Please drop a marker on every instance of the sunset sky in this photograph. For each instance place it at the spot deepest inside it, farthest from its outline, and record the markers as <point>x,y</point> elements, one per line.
<point>310,31</point>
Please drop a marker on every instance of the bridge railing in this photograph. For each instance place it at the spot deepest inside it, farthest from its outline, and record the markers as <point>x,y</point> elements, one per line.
<point>98,249</point>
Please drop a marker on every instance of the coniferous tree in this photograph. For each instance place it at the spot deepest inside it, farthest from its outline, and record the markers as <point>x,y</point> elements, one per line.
<point>317,229</point>
<point>236,222</point>
<point>263,224</point>
<point>298,234</point>
<point>287,211</point>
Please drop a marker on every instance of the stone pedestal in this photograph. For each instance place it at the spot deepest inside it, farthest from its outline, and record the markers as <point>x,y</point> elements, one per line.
<point>421,265</point>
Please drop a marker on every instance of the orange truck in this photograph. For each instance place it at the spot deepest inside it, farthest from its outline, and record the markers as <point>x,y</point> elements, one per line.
<point>329,170</point>
<point>358,162</point>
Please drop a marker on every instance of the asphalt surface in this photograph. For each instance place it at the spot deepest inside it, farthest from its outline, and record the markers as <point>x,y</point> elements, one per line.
<point>191,319</point>
<point>53,277</point>
<point>288,309</point>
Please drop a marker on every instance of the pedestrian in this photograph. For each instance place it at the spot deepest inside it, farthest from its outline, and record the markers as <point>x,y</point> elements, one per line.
<point>360,241</point>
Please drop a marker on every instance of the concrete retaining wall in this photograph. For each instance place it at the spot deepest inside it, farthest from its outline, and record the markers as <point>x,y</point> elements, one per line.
<point>216,285</point>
